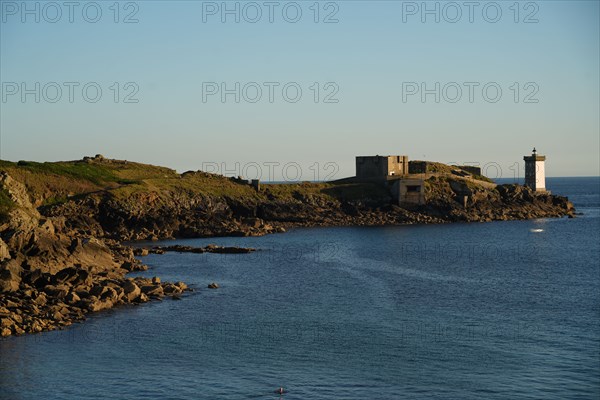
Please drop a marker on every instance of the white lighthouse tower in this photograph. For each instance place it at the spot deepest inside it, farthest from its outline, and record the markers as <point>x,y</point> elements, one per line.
<point>535,172</point>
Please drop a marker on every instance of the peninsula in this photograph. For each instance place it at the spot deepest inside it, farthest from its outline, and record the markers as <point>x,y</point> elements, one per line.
<point>63,224</point>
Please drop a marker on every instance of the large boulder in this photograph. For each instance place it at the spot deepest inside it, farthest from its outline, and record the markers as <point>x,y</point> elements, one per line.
<point>4,252</point>
<point>66,275</point>
<point>57,291</point>
<point>94,304</point>
<point>10,276</point>
<point>132,291</point>
<point>153,290</point>
<point>72,298</point>
<point>171,289</point>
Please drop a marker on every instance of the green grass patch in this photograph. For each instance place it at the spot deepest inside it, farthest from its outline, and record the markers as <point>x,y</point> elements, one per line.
<point>482,178</point>
<point>52,201</point>
<point>97,174</point>
<point>6,204</point>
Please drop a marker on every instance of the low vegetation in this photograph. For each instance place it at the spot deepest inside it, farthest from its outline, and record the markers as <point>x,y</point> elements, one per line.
<point>52,183</point>
<point>6,204</point>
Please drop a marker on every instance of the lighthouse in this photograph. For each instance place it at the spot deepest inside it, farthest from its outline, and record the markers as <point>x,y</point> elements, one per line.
<point>535,172</point>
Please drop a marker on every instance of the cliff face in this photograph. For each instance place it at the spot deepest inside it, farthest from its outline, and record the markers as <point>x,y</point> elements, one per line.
<point>52,276</point>
<point>61,225</point>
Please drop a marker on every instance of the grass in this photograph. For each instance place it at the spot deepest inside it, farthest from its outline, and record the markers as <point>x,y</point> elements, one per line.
<point>482,178</point>
<point>52,183</point>
<point>96,174</point>
<point>51,201</point>
<point>6,204</point>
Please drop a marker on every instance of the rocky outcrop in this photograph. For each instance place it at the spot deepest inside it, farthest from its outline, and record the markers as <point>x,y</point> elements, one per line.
<point>211,248</point>
<point>10,276</point>
<point>43,301</point>
<point>502,203</point>
<point>52,276</point>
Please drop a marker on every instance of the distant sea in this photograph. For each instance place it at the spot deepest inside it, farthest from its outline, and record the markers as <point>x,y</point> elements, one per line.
<point>501,310</point>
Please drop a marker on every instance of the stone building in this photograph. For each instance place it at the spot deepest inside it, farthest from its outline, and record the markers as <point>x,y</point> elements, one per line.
<point>381,167</point>
<point>393,173</point>
<point>408,191</point>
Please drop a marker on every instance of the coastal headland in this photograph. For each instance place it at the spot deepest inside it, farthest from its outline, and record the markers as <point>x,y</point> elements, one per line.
<point>63,225</point>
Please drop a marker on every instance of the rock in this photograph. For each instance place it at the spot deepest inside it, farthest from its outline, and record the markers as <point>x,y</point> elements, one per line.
<point>65,275</point>
<point>8,283</point>
<point>33,276</point>
<point>11,304</point>
<point>95,304</point>
<point>131,290</point>
<point>57,291</point>
<point>170,289</point>
<point>109,294</point>
<point>140,251</point>
<point>4,332</point>
<point>36,327</point>
<point>72,298</point>
<point>213,285</point>
<point>83,278</point>
<point>40,299</point>
<point>152,291</point>
<point>155,280</point>
<point>182,286</point>
<point>211,248</point>
<point>4,252</point>
<point>133,266</point>
<point>57,316</point>
<point>97,290</point>
<point>17,318</point>
<point>6,322</point>
<point>10,276</point>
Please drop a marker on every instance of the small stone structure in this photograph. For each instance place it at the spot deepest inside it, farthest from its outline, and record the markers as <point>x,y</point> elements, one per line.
<point>392,173</point>
<point>381,167</point>
<point>408,191</point>
<point>535,171</point>
<point>255,183</point>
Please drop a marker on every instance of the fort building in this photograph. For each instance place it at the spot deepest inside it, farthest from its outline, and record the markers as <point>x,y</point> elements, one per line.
<point>393,173</point>
<point>381,167</point>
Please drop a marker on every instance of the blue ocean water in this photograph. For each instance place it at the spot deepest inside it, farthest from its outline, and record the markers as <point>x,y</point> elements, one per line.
<point>502,310</point>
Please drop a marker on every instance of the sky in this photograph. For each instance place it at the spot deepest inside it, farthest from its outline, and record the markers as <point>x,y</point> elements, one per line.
<point>295,90</point>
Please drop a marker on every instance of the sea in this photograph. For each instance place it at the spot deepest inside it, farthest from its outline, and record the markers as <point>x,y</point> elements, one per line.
<point>499,310</point>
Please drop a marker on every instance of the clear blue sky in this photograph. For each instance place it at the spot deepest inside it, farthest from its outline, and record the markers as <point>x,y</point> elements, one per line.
<point>370,55</point>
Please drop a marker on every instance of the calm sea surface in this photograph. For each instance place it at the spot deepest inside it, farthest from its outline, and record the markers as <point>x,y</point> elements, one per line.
<point>506,310</point>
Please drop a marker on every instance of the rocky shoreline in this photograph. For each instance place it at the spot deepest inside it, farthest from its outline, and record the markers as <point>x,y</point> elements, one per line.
<point>51,277</point>
<point>46,302</point>
<point>61,260</point>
